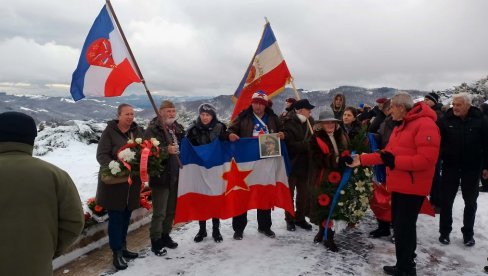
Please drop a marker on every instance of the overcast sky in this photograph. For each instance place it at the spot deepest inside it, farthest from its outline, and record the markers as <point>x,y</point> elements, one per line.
<point>196,47</point>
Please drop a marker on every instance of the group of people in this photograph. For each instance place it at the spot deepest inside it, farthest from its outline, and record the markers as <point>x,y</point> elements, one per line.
<point>425,152</point>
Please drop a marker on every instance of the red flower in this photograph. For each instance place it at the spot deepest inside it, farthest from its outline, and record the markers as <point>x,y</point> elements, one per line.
<point>324,200</point>
<point>345,153</point>
<point>90,200</point>
<point>98,208</point>
<point>334,177</point>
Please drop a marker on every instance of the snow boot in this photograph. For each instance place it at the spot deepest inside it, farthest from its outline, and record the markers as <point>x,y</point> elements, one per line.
<point>157,247</point>
<point>202,233</point>
<point>238,235</point>
<point>118,260</point>
<point>216,235</point>
<point>444,239</point>
<point>128,254</point>
<point>329,243</point>
<point>320,235</point>
<point>304,225</point>
<point>382,231</point>
<point>168,242</point>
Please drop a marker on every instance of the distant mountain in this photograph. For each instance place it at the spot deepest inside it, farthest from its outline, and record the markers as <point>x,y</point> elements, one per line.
<point>59,110</point>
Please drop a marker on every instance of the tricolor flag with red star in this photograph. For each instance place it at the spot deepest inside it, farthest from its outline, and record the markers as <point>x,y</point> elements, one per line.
<point>267,72</point>
<point>105,67</point>
<point>223,180</point>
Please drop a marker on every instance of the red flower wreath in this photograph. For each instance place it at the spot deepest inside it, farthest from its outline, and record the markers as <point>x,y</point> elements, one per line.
<point>334,177</point>
<point>324,200</point>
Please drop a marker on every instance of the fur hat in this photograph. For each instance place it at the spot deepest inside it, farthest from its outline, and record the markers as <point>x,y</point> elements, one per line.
<point>167,104</point>
<point>207,108</point>
<point>433,97</point>
<point>260,97</point>
<point>381,100</point>
<point>17,127</point>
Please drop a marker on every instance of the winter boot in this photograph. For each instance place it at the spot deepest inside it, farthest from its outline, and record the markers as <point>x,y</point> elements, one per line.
<point>128,254</point>
<point>202,233</point>
<point>168,242</point>
<point>329,243</point>
<point>382,231</point>
<point>216,235</point>
<point>290,226</point>
<point>157,247</point>
<point>320,235</point>
<point>118,260</point>
<point>304,225</point>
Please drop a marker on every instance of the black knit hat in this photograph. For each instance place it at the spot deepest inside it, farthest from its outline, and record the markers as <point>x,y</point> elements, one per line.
<point>433,97</point>
<point>17,127</point>
<point>208,108</point>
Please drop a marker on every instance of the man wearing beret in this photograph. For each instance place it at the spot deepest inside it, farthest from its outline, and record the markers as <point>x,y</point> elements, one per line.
<point>298,134</point>
<point>40,209</point>
<point>257,119</point>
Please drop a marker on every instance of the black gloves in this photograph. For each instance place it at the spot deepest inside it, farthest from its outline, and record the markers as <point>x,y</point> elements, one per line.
<point>388,159</point>
<point>345,160</point>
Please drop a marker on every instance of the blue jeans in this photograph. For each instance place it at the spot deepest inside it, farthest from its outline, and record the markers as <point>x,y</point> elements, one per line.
<point>118,224</point>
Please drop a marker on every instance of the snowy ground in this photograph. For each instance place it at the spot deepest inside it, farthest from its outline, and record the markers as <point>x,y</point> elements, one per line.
<point>291,253</point>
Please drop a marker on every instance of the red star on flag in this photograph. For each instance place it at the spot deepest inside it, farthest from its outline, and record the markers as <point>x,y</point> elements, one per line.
<point>235,178</point>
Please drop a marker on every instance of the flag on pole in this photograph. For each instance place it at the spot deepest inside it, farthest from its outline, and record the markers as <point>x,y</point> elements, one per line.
<point>223,180</point>
<point>267,72</point>
<point>105,67</point>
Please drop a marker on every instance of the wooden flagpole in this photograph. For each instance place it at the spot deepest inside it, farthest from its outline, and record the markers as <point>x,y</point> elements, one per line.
<point>139,73</point>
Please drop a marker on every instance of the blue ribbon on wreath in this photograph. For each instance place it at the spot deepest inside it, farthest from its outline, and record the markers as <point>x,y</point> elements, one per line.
<point>379,171</point>
<point>346,174</point>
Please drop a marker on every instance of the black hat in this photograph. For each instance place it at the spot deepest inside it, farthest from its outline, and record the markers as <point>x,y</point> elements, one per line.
<point>17,127</point>
<point>207,108</point>
<point>303,103</point>
<point>433,97</point>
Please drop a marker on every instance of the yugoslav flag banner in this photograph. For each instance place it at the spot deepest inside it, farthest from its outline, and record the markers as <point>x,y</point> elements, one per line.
<point>105,67</point>
<point>224,179</point>
<point>267,72</point>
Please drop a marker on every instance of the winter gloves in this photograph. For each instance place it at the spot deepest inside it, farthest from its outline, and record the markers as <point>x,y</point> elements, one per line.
<point>388,159</point>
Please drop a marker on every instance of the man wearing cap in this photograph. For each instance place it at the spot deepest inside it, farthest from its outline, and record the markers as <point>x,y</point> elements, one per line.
<point>298,134</point>
<point>41,213</point>
<point>257,119</point>
<point>369,113</point>
<point>165,187</point>
<point>464,153</point>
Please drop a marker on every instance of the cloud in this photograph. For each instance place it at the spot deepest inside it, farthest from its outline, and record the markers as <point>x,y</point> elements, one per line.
<point>203,47</point>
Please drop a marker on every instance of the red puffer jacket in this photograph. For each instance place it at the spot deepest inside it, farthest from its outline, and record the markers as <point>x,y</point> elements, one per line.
<point>415,145</point>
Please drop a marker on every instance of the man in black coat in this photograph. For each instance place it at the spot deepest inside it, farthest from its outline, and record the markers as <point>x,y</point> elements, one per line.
<point>298,134</point>
<point>464,152</point>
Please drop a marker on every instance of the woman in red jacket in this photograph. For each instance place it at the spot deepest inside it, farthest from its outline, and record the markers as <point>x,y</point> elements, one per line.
<point>410,157</point>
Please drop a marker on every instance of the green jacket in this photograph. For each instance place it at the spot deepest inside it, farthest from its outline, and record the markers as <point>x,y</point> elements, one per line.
<point>40,212</point>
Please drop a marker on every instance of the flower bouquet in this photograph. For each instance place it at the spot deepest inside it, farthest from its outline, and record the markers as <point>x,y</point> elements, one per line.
<point>137,158</point>
<point>98,213</point>
<point>353,196</point>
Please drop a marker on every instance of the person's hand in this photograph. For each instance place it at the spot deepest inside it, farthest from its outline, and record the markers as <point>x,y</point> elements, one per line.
<point>388,159</point>
<point>281,135</point>
<point>356,161</point>
<point>485,174</point>
<point>233,137</point>
<point>173,149</point>
<point>345,160</point>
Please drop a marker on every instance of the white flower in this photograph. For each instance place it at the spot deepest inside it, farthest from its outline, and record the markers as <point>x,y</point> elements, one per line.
<point>155,142</point>
<point>355,170</point>
<point>127,155</point>
<point>367,172</point>
<point>130,141</point>
<point>114,167</point>
<point>138,140</point>
<point>340,203</point>
<point>342,192</point>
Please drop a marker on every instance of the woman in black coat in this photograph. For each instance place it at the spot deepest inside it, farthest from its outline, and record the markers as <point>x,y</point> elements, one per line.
<point>206,129</point>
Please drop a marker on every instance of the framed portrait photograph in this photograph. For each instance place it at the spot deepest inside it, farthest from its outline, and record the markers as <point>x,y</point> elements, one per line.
<point>269,145</point>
